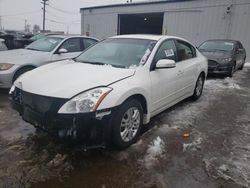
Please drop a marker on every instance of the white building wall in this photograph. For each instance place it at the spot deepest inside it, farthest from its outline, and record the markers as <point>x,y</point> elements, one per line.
<point>196,20</point>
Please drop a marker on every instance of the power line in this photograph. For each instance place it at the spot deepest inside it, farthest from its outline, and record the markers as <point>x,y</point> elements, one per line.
<point>61,10</point>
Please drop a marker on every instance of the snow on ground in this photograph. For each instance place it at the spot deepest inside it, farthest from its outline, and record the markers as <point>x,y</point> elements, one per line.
<point>154,152</point>
<point>247,64</point>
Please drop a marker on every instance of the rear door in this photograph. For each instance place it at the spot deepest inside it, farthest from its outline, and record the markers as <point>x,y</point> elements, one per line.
<point>163,81</point>
<point>73,46</point>
<point>187,67</point>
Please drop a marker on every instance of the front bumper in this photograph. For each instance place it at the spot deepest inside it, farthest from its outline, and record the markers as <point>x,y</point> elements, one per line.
<point>217,68</point>
<point>6,79</point>
<point>90,130</point>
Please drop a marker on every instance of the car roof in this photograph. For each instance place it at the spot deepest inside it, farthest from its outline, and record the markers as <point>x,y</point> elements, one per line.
<point>148,37</point>
<point>71,36</point>
<point>222,40</point>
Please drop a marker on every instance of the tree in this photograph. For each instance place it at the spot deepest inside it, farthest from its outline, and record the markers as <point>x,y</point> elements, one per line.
<point>36,28</point>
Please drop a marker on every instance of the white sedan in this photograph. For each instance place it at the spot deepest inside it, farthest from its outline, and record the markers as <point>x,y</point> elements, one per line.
<point>13,63</point>
<point>107,93</point>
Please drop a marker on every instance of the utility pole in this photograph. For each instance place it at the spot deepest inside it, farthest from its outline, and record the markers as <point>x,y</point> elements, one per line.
<point>44,12</point>
<point>0,23</point>
<point>25,25</point>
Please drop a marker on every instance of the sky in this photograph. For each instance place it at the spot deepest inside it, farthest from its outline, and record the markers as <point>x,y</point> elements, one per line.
<point>62,15</point>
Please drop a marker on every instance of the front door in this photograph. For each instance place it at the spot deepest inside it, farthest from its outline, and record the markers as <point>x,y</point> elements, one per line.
<point>163,81</point>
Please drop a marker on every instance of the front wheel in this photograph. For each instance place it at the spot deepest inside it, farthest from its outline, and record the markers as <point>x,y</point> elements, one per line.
<point>232,71</point>
<point>198,87</point>
<point>127,124</point>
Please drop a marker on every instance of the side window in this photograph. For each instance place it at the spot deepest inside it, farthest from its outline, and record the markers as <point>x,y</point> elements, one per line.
<point>72,45</point>
<point>88,42</point>
<point>240,45</point>
<point>185,51</point>
<point>167,50</point>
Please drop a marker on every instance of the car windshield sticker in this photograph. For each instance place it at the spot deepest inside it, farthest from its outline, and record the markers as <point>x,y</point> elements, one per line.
<point>169,53</point>
<point>145,57</point>
<point>52,41</point>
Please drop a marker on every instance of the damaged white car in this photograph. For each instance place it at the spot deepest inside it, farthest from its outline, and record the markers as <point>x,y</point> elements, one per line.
<point>107,93</point>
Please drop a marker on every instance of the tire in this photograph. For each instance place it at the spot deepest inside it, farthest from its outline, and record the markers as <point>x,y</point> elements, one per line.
<point>20,72</point>
<point>125,130</point>
<point>232,71</point>
<point>198,87</point>
<point>242,66</point>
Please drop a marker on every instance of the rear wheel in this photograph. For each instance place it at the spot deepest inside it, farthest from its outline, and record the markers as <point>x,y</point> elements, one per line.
<point>198,87</point>
<point>127,124</point>
<point>20,72</point>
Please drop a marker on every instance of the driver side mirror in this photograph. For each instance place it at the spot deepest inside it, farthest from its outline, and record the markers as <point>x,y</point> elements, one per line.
<point>62,51</point>
<point>165,63</point>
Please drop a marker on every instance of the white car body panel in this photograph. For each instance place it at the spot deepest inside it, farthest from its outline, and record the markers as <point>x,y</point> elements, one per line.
<point>161,88</point>
<point>55,80</point>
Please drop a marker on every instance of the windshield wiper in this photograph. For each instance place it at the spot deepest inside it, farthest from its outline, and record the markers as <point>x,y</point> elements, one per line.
<point>99,63</point>
<point>32,49</point>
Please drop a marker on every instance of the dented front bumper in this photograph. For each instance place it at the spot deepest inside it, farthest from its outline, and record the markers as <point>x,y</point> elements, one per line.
<point>88,129</point>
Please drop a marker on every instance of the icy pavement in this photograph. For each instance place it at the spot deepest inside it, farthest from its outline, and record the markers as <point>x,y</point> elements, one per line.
<point>202,144</point>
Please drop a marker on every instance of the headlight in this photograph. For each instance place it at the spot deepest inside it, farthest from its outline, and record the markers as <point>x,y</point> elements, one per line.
<point>5,66</point>
<point>226,60</point>
<point>85,102</point>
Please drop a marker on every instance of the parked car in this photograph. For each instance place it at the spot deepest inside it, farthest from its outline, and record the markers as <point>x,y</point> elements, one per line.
<point>41,35</point>
<point>22,39</point>
<point>14,63</point>
<point>224,56</point>
<point>3,47</point>
<point>111,89</point>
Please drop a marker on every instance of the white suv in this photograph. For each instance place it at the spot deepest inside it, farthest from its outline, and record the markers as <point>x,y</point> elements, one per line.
<point>107,93</point>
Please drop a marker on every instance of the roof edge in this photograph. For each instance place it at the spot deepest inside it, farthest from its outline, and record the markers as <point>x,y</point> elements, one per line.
<point>133,4</point>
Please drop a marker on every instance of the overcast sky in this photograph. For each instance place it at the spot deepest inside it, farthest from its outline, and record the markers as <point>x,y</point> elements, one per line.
<point>15,12</point>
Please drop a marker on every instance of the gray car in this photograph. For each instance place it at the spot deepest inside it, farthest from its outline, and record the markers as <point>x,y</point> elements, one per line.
<point>14,63</point>
<point>224,56</point>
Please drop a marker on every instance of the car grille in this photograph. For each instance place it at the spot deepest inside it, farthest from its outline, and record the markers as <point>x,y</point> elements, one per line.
<point>37,103</point>
<point>212,63</point>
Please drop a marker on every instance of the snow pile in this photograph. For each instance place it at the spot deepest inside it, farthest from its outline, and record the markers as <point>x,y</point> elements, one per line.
<point>221,84</point>
<point>154,152</point>
<point>193,145</point>
<point>247,64</point>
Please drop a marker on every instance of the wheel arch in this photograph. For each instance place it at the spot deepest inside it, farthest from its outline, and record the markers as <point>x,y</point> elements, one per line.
<point>28,66</point>
<point>141,98</point>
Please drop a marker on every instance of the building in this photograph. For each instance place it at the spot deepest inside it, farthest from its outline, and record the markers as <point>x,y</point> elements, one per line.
<point>195,20</point>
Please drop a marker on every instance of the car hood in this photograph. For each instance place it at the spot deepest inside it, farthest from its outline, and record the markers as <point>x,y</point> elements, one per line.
<point>67,78</point>
<point>216,55</point>
<point>21,56</point>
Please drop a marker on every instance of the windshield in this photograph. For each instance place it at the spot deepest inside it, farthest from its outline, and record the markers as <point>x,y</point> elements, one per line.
<point>45,44</point>
<point>118,52</point>
<point>217,45</point>
<point>38,36</point>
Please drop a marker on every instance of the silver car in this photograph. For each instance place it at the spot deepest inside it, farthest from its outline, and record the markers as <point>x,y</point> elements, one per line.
<point>14,63</point>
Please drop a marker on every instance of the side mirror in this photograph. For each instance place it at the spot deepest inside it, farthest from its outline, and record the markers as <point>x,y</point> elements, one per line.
<point>165,63</point>
<point>62,51</point>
